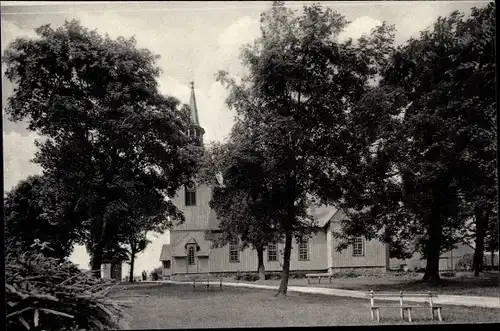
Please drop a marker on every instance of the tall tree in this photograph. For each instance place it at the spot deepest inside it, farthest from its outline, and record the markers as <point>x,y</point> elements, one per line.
<point>111,137</point>
<point>476,75</point>
<point>491,241</point>
<point>134,234</point>
<point>136,243</point>
<point>300,86</point>
<point>242,199</point>
<point>432,108</point>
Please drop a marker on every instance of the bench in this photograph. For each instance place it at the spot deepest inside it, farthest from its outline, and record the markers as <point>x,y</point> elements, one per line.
<point>319,276</point>
<point>404,306</point>
<point>206,283</point>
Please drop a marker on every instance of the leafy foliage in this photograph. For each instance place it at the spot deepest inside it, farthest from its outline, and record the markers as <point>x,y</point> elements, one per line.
<point>33,210</point>
<point>157,272</point>
<point>491,242</point>
<point>433,107</point>
<point>247,276</point>
<point>242,201</point>
<point>296,98</point>
<point>134,236</point>
<point>111,136</point>
<point>465,262</point>
<point>43,293</point>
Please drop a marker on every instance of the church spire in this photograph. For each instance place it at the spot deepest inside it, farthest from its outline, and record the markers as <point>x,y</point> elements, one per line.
<point>193,108</point>
<point>193,115</point>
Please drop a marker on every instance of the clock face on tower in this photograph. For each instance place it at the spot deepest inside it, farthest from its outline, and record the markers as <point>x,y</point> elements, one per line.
<point>190,186</point>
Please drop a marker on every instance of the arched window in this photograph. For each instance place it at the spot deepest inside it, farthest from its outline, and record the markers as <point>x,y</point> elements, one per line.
<point>191,255</point>
<point>166,264</point>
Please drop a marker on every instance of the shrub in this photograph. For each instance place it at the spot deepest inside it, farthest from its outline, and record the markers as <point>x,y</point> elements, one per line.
<point>273,275</point>
<point>448,274</point>
<point>297,275</point>
<point>364,272</point>
<point>45,293</point>
<point>401,274</point>
<point>465,263</point>
<point>220,274</point>
<point>247,276</point>
<point>346,273</point>
<point>251,277</point>
<point>156,274</point>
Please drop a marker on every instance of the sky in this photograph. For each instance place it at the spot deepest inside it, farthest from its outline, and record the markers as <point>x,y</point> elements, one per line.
<point>195,40</point>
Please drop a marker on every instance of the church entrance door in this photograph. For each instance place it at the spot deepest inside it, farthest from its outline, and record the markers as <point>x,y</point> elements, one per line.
<point>192,260</point>
<point>193,268</point>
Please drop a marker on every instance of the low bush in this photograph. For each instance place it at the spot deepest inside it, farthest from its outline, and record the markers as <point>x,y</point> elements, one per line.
<point>247,276</point>
<point>340,273</point>
<point>251,277</point>
<point>45,293</point>
<point>345,273</point>
<point>448,274</point>
<point>297,275</point>
<point>401,274</point>
<point>465,263</point>
<point>273,275</point>
<point>157,273</point>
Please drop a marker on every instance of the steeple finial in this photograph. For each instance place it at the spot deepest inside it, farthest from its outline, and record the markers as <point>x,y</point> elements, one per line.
<point>193,108</point>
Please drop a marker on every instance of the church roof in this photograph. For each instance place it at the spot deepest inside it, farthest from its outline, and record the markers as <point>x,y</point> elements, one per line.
<point>326,213</point>
<point>213,222</point>
<point>338,216</point>
<point>193,108</point>
<point>196,238</point>
<point>341,215</point>
<point>322,214</point>
<point>165,253</point>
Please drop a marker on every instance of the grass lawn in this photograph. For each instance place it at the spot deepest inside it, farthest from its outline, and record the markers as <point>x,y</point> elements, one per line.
<point>486,285</point>
<point>178,306</point>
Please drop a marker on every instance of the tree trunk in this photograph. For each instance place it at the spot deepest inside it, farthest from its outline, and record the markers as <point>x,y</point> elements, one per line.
<point>286,264</point>
<point>96,261</point>
<point>477,262</point>
<point>433,250</point>
<point>482,217</point>
<point>98,232</point>
<point>260,262</point>
<point>132,261</point>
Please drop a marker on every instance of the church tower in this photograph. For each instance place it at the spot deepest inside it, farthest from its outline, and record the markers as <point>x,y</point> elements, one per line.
<point>189,251</point>
<point>196,129</point>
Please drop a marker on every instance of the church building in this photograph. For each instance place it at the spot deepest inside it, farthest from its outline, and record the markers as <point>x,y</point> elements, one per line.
<point>190,253</point>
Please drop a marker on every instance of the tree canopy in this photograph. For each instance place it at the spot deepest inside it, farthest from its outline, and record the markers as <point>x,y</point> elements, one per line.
<point>33,211</point>
<point>242,201</point>
<point>428,156</point>
<point>111,136</point>
<point>296,98</point>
